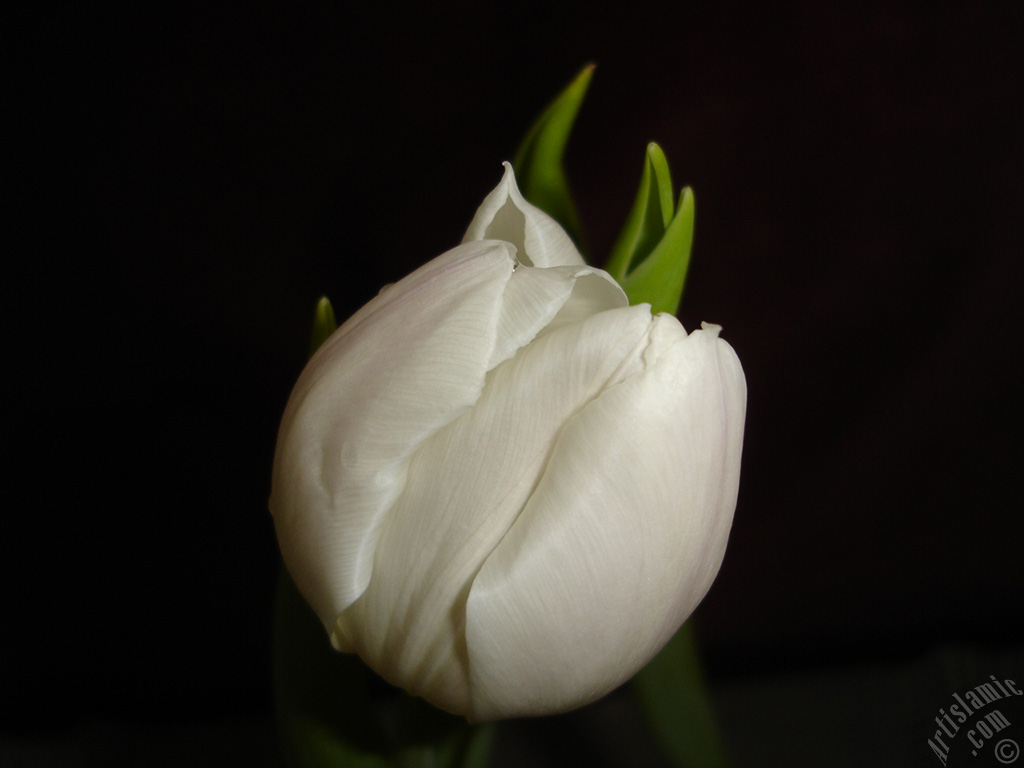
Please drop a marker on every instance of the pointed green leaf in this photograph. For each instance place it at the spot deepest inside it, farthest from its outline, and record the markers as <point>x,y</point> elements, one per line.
<point>672,690</point>
<point>538,163</point>
<point>324,324</point>
<point>659,165</point>
<point>648,218</point>
<point>659,278</point>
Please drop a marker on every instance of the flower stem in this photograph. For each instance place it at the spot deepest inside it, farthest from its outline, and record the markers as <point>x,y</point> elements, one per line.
<point>672,690</point>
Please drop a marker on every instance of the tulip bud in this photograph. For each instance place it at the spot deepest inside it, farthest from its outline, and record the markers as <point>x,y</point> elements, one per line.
<point>502,486</point>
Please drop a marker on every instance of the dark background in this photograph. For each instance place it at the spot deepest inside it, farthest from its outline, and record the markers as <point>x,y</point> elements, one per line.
<point>190,182</point>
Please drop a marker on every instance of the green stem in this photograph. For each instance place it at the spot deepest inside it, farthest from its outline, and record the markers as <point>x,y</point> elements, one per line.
<point>672,690</point>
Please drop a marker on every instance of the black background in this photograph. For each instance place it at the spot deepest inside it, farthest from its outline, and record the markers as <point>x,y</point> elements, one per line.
<point>190,181</point>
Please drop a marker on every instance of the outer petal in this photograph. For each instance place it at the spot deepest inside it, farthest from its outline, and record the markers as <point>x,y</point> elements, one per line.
<point>465,487</point>
<point>506,215</point>
<point>402,367</point>
<point>622,537</point>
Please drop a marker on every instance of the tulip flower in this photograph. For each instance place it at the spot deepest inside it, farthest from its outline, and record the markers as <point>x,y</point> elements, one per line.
<point>501,485</point>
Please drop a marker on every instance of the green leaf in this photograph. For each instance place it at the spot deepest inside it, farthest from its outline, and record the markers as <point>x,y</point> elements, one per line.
<point>324,324</point>
<point>671,689</point>
<point>659,278</point>
<point>538,164</point>
<point>648,218</point>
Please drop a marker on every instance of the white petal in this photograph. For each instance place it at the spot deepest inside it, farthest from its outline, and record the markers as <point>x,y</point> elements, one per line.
<point>506,215</point>
<point>621,539</point>
<point>402,367</point>
<point>539,301</point>
<point>466,487</point>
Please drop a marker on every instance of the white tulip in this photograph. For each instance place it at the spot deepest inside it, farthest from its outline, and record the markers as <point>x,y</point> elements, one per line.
<point>502,486</point>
